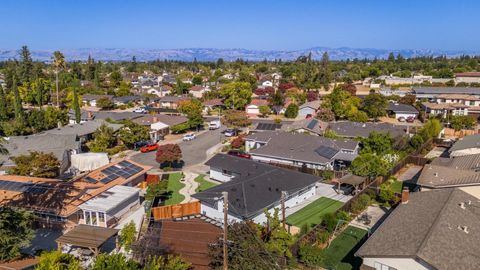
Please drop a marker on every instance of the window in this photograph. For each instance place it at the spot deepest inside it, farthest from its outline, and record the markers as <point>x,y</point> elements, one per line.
<point>81,215</point>
<point>88,219</point>
<point>94,218</point>
<point>380,266</point>
<point>101,217</point>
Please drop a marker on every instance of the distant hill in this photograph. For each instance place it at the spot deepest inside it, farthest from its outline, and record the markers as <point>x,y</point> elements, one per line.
<point>211,54</point>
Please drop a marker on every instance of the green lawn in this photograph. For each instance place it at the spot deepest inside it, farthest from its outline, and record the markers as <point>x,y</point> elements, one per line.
<point>174,186</point>
<point>397,186</point>
<point>203,184</point>
<point>340,254</point>
<point>312,213</point>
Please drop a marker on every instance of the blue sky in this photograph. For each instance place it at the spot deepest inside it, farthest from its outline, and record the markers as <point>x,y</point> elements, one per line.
<point>260,24</point>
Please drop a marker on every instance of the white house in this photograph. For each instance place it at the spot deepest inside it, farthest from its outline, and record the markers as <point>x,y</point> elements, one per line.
<point>249,195</point>
<point>468,145</point>
<point>267,83</point>
<point>254,107</point>
<point>467,77</point>
<point>402,110</point>
<point>309,108</point>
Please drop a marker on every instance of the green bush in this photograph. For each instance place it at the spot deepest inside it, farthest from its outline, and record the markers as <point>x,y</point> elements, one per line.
<point>327,175</point>
<point>291,111</point>
<point>359,204</point>
<point>322,237</point>
<point>342,215</point>
<point>311,255</point>
<point>329,220</point>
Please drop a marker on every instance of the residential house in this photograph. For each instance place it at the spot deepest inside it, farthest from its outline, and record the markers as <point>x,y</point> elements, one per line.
<point>456,104</point>
<point>445,109</point>
<point>301,150</point>
<point>126,100</point>
<point>310,126</point>
<point>91,100</point>
<point>83,131</point>
<point>57,202</point>
<point>468,145</point>
<point>443,172</point>
<point>101,115</point>
<point>267,83</point>
<point>350,129</point>
<point>169,102</point>
<point>62,146</point>
<point>198,90</point>
<point>429,230</point>
<point>431,92</point>
<point>402,110</point>
<point>253,188</point>
<point>160,124</point>
<point>254,107</point>
<point>467,77</point>
<point>309,108</point>
<point>212,104</point>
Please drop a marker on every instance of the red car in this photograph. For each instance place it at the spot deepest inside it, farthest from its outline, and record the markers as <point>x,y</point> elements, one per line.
<point>239,153</point>
<point>149,148</point>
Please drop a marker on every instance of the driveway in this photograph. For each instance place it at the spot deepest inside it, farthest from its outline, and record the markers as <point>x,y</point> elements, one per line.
<point>194,152</point>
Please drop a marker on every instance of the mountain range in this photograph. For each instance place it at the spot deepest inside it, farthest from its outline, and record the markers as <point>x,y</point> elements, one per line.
<point>212,54</point>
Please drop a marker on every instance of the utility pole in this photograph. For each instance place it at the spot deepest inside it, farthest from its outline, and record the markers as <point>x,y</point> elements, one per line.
<point>225,230</point>
<point>284,195</point>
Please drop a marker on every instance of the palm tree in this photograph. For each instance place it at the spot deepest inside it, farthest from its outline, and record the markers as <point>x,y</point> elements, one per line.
<point>59,64</point>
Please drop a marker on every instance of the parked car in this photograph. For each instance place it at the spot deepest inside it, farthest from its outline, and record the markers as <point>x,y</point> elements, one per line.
<point>214,125</point>
<point>140,110</point>
<point>410,119</point>
<point>149,148</point>
<point>140,144</point>
<point>308,116</point>
<point>188,137</point>
<point>401,119</point>
<point>347,189</point>
<point>230,132</point>
<point>239,153</point>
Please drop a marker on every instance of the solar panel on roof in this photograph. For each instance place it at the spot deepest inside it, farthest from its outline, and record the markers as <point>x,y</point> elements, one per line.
<point>268,126</point>
<point>37,188</point>
<point>90,180</point>
<point>327,152</point>
<point>312,124</point>
<point>14,186</point>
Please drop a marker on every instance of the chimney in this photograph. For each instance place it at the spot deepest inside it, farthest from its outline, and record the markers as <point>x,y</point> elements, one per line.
<point>155,119</point>
<point>405,195</point>
<point>89,115</point>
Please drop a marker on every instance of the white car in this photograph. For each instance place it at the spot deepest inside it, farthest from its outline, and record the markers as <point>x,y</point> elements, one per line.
<point>140,110</point>
<point>230,132</point>
<point>188,137</point>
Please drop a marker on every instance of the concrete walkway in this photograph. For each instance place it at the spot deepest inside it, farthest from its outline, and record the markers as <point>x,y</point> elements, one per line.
<point>190,186</point>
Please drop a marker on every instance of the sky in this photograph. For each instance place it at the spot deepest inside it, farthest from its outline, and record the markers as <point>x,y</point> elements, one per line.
<point>249,24</point>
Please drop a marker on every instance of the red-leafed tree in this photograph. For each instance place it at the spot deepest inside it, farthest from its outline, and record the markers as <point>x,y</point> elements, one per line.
<point>237,142</point>
<point>168,153</point>
<point>352,89</point>
<point>262,91</point>
<point>285,86</point>
<point>311,96</point>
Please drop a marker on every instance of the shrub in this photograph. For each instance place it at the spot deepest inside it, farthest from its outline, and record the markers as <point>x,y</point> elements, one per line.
<point>342,215</point>
<point>327,175</point>
<point>292,111</point>
<point>359,204</point>
<point>329,220</point>
<point>237,142</point>
<point>386,193</point>
<point>322,237</point>
<point>311,255</point>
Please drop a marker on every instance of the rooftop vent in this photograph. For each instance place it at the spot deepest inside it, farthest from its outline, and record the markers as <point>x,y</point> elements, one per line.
<point>462,205</point>
<point>435,174</point>
<point>463,228</point>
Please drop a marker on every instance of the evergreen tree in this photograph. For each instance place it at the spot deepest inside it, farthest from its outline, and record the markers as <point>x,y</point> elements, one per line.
<point>19,114</point>
<point>324,73</point>
<point>26,65</point>
<point>75,104</point>
<point>3,105</point>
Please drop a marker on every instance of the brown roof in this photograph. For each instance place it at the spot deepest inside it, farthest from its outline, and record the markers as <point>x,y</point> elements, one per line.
<point>458,96</point>
<point>59,197</point>
<point>259,102</point>
<point>189,239</point>
<point>213,102</point>
<point>442,106</point>
<point>20,264</point>
<point>197,88</point>
<point>468,74</point>
<point>87,236</point>
<point>437,227</point>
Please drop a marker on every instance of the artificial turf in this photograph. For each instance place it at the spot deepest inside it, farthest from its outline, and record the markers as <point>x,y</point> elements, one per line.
<point>340,254</point>
<point>203,184</point>
<point>312,213</point>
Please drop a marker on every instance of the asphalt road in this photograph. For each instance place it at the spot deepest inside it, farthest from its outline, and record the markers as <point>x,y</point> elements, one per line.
<point>194,152</point>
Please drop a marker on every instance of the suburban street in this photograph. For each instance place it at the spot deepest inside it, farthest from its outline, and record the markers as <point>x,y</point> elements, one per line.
<point>194,152</point>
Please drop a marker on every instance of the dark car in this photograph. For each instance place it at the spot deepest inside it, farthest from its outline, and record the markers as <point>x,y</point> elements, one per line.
<point>347,189</point>
<point>140,144</point>
<point>239,153</point>
<point>410,119</point>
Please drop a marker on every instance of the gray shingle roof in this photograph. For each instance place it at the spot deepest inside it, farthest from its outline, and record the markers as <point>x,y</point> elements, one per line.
<point>447,90</point>
<point>355,129</point>
<point>401,108</point>
<point>257,186</point>
<point>429,228</point>
<point>472,141</point>
<point>83,129</point>
<point>300,147</point>
<point>451,172</point>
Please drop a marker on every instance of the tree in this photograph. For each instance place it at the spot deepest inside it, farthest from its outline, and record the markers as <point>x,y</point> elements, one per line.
<point>291,111</point>
<point>351,88</point>
<point>19,113</point>
<point>343,104</point>
<point>168,262</point>
<point>26,65</point>
<point>58,261</point>
<point>168,153</point>
<point>103,138</point>
<point>124,89</point>
<point>104,103</point>
<point>325,114</point>
<point>324,73</point>
<point>378,142</point>
<point>277,99</point>
<point>115,78</point>
<point>265,110</point>
<point>459,122</point>
<point>369,164</point>
<point>235,119</point>
<point>15,232</point>
<point>76,103</point>
<point>113,261</point>
<point>278,239</point>
<point>193,110</point>
<point>408,99</point>
<point>236,94</point>
<point>3,105</point>
<point>312,96</point>
<point>197,80</point>
<point>430,129</point>
<point>238,142</point>
<point>36,164</point>
<point>59,65</point>
<point>375,105</point>
<point>128,234</point>
<point>132,133</point>
<point>156,190</point>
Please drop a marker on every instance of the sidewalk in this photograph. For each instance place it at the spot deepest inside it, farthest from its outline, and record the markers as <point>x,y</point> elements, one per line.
<point>190,186</point>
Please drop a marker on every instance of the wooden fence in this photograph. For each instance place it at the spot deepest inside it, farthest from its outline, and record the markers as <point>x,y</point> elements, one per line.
<point>176,211</point>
